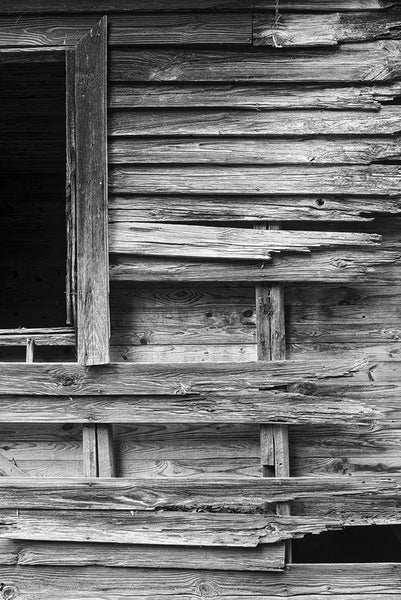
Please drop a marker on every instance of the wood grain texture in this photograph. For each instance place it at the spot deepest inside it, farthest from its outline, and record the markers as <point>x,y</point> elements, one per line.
<point>217,208</point>
<point>257,123</point>
<point>262,558</point>
<point>127,30</point>
<point>372,61</point>
<point>328,498</point>
<point>255,407</point>
<point>326,266</point>
<point>258,96</point>
<point>69,379</point>
<point>325,29</point>
<point>55,336</point>
<point>303,581</point>
<point>192,241</point>
<point>253,151</point>
<point>88,6</point>
<point>355,180</point>
<point>164,528</point>
<point>93,321</point>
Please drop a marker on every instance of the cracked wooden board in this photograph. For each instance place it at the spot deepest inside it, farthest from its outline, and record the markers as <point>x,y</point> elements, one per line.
<point>193,241</point>
<point>71,379</point>
<point>252,407</point>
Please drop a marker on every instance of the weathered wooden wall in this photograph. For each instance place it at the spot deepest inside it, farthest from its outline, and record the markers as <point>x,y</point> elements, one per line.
<point>222,113</point>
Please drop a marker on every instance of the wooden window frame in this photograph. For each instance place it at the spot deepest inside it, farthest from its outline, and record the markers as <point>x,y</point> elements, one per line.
<point>87,282</point>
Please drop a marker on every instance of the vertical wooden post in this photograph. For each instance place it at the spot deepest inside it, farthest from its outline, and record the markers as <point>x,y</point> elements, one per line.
<point>30,351</point>
<point>98,450</point>
<point>271,345</point>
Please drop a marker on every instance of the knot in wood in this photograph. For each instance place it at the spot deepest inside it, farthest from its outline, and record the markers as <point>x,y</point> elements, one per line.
<point>8,592</point>
<point>67,380</point>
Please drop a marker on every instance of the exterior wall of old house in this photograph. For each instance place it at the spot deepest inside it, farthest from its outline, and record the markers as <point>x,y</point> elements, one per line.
<point>293,111</point>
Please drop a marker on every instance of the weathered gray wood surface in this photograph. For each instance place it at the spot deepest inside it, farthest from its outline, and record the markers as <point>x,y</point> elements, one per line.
<point>266,557</point>
<point>126,30</point>
<point>303,581</point>
<point>312,496</point>
<point>93,320</point>
<point>355,180</point>
<point>253,407</point>
<point>55,336</point>
<point>131,208</point>
<point>371,61</point>
<point>69,379</point>
<point>191,241</point>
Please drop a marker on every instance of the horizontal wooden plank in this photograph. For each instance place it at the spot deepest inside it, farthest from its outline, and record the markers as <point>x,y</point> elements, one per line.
<point>265,557</point>
<point>326,266</point>
<point>194,241</point>
<point>379,499</point>
<point>289,123</point>
<point>373,61</point>
<point>249,208</point>
<point>253,151</point>
<point>127,30</point>
<point>254,407</point>
<point>355,180</point>
<point>259,96</point>
<point>161,528</point>
<point>71,379</point>
<point>328,29</point>
<point>101,6</point>
<point>301,581</point>
<point>54,336</point>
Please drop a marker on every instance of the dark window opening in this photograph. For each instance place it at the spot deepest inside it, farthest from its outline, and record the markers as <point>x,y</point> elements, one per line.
<point>367,544</point>
<point>33,198</point>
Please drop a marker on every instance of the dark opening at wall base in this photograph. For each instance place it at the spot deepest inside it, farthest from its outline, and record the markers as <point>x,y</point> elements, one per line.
<point>351,545</point>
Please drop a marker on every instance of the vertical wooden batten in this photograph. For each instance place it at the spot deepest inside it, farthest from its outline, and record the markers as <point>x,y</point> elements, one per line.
<point>271,345</point>
<point>93,319</point>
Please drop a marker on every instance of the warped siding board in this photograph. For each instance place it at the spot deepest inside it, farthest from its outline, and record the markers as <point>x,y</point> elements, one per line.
<point>162,528</point>
<point>261,97</point>
<point>253,152</point>
<point>355,180</point>
<point>254,407</point>
<point>127,30</point>
<point>380,351</point>
<point>373,61</point>
<point>71,379</point>
<point>327,266</point>
<point>301,581</point>
<point>192,241</point>
<point>188,122</point>
<point>249,208</point>
<point>325,29</point>
<point>262,558</point>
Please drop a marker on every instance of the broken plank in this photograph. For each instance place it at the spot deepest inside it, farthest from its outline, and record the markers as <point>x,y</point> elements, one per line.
<point>256,407</point>
<point>373,61</point>
<point>216,208</point>
<point>128,30</point>
<point>41,337</point>
<point>71,379</point>
<point>8,468</point>
<point>289,123</point>
<point>258,96</point>
<point>325,29</point>
<point>354,180</point>
<point>160,528</point>
<point>192,241</point>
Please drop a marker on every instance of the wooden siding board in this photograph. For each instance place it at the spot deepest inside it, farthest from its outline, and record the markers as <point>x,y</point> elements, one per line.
<point>69,379</point>
<point>127,30</point>
<point>371,61</point>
